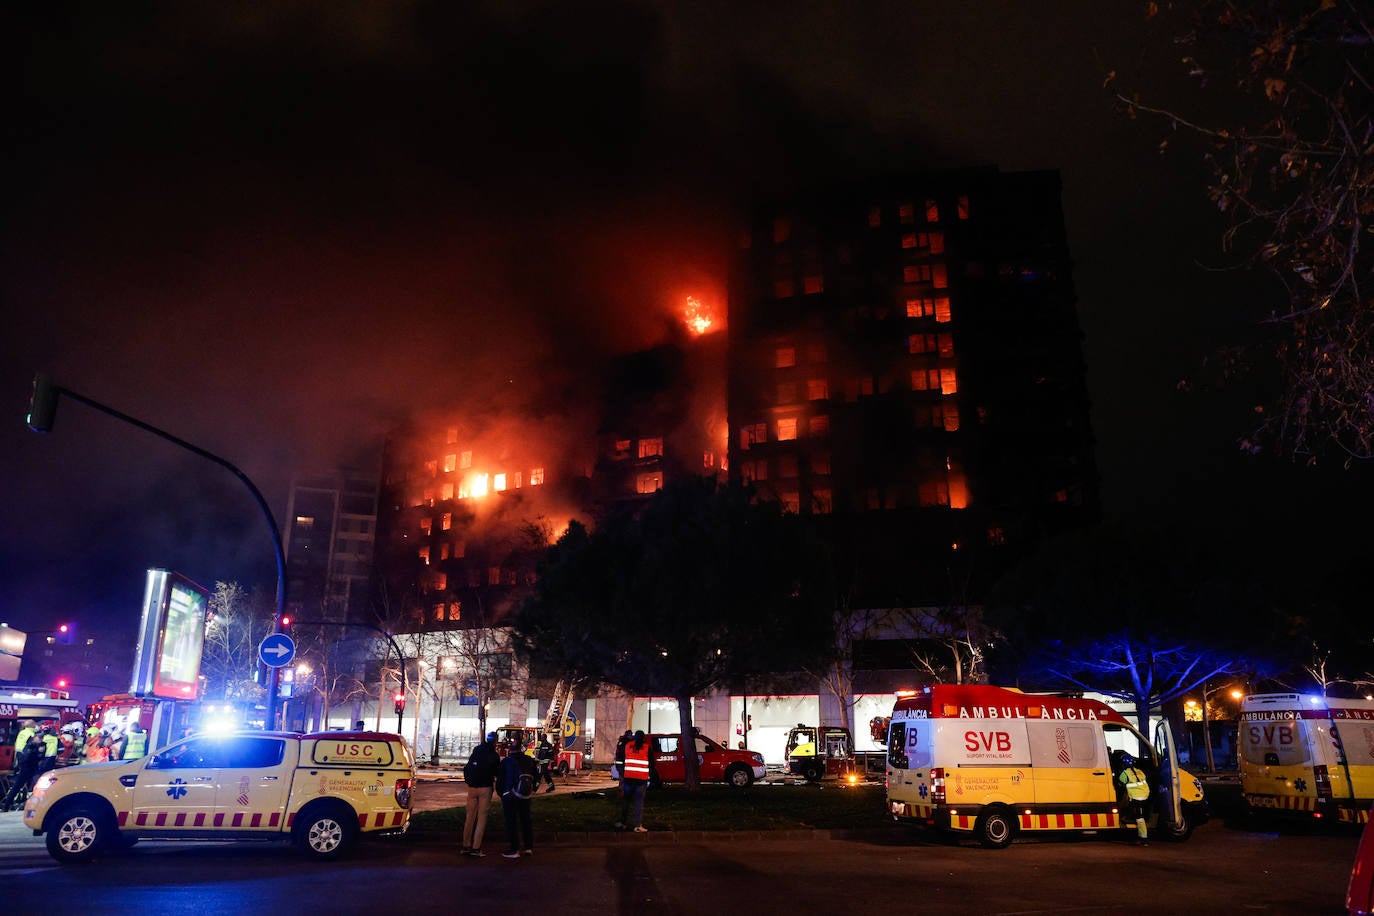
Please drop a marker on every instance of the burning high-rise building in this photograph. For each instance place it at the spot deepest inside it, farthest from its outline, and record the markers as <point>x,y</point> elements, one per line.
<point>905,363</point>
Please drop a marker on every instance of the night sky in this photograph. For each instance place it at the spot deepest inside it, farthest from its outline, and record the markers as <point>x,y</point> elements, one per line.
<point>277,230</point>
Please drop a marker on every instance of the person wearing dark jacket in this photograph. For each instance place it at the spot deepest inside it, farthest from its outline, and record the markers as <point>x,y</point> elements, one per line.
<point>515,801</point>
<point>26,770</point>
<point>545,755</point>
<point>480,776</point>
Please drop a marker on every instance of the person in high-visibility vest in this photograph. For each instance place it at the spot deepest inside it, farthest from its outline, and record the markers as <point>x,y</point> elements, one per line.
<point>1137,787</point>
<point>21,740</point>
<point>634,780</point>
<point>135,742</point>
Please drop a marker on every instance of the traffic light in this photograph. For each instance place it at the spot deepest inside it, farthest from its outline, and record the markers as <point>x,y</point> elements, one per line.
<point>400,699</point>
<point>66,634</point>
<point>42,403</point>
<point>62,683</point>
<point>285,622</point>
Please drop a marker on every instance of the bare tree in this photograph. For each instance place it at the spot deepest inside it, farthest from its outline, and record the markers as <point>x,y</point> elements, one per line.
<point>236,623</point>
<point>954,645</point>
<point>1284,111</point>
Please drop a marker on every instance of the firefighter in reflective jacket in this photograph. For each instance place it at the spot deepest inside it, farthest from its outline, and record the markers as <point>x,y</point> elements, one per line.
<point>135,742</point>
<point>1137,787</point>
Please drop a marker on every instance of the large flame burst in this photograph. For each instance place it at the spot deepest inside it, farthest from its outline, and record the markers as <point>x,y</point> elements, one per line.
<point>697,316</point>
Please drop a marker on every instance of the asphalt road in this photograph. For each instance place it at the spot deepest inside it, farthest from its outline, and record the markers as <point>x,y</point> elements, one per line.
<point>1221,869</point>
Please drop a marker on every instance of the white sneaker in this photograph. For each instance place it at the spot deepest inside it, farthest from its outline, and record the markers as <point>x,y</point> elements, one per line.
<point>641,830</point>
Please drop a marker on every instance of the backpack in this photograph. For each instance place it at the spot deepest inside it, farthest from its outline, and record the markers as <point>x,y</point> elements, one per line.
<point>524,786</point>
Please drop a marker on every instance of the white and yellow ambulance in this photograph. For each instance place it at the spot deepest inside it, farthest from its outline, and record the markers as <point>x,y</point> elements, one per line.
<point>1307,756</point>
<point>995,762</point>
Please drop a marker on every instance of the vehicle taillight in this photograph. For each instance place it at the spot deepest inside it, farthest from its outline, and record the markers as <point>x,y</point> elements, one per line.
<point>1322,777</point>
<point>403,787</point>
<point>937,785</point>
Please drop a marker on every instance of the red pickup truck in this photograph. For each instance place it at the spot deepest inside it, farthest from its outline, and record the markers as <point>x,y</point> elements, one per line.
<point>715,762</point>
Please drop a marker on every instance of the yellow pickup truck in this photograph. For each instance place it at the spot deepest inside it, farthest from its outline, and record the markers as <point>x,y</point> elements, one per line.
<point>320,791</point>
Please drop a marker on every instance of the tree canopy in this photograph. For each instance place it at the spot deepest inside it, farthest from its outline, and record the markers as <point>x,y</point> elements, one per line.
<point>1284,109</point>
<point>699,587</point>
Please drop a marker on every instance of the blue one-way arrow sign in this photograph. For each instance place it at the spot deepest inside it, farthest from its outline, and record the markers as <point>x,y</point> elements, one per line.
<point>277,650</point>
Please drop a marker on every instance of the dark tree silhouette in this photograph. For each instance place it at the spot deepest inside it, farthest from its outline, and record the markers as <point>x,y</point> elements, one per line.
<point>702,586</point>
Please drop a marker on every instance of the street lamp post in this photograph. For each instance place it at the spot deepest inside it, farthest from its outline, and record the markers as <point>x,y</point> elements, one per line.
<point>42,410</point>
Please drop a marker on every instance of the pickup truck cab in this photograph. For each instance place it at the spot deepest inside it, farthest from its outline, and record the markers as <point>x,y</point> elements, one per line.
<point>320,791</point>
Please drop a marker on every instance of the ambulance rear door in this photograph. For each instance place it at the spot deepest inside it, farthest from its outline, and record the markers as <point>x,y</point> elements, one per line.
<point>1170,799</point>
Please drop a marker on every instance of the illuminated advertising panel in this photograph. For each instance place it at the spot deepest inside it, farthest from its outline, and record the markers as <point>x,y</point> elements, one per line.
<point>171,636</point>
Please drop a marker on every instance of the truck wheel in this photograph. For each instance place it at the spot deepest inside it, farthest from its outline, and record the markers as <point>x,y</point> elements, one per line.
<point>739,776</point>
<point>562,768</point>
<point>994,828</point>
<point>1180,831</point>
<point>78,833</point>
<point>813,771</point>
<point>326,832</point>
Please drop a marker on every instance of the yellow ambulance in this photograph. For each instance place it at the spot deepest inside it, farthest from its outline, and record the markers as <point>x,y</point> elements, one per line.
<point>993,762</point>
<point>1307,756</point>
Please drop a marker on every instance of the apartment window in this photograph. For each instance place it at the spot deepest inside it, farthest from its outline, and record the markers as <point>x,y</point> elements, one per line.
<point>787,466</point>
<point>444,549</point>
<point>943,344</point>
<point>909,240</point>
<point>949,382</point>
<point>429,496</point>
<point>450,462</point>
<point>790,500</point>
<point>784,357</point>
<point>753,434</point>
<point>932,212</point>
<point>708,460</point>
<point>431,468</point>
<point>783,289</point>
<point>933,491</point>
<point>622,448</point>
<point>440,581</point>
<point>937,243</point>
<point>451,436</point>
<point>648,483</point>
<point>819,426</point>
<point>446,491</point>
<point>997,536</point>
<point>925,379</point>
<point>817,353</point>
<point>822,502</point>
<point>426,524</point>
<point>648,448</point>
<point>817,389</point>
<point>963,206</point>
<point>920,308</point>
<point>465,459</point>
<point>813,284</point>
<point>875,217</point>
<point>951,417</point>
<point>787,429</point>
<point>446,521</point>
<point>916,273</point>
<point>787,393</point>
<point>942,309</point>
<point>939,276</point>
<point>460,549</point>
<point>517,479</point>
<point>423,553</point>
<point>957,485</point>
<point>498,482</point>
<point>782,231</point>
<point>820,463</point>
<point>906,213</point>
<point>305,521</point>
<point>536,476</point>
<point>493,575</point>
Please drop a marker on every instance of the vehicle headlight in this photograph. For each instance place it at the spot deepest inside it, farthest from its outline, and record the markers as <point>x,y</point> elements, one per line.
<point>44,783</point>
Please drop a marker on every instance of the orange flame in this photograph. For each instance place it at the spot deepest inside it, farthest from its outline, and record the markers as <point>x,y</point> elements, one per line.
<point>697,316</point>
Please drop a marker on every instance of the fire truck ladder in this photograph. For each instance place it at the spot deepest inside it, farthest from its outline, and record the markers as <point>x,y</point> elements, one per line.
<point>553,722</point>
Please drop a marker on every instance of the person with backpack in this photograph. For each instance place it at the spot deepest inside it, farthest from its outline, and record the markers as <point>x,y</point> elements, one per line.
<point>519,776</point>
<point>480,775</point>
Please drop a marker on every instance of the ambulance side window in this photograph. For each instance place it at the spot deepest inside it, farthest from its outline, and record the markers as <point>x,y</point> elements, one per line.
<point>896,746</point>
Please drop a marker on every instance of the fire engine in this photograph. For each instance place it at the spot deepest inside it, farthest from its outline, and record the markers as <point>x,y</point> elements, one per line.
<point>526,737</point>
<point>1307,756</point>
<point>817,753</point>
<point>41,704</point>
